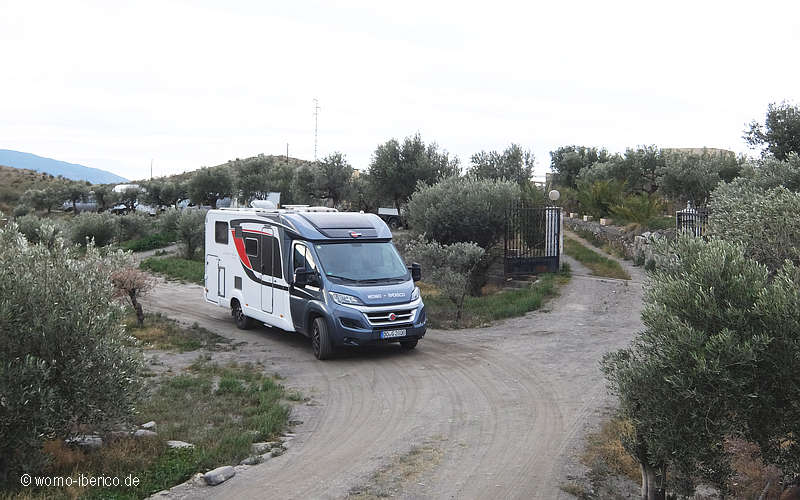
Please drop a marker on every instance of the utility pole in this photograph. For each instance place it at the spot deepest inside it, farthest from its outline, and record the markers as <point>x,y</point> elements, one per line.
<point>316,125</point>
<point>151,169</point>
<point>287,153</point>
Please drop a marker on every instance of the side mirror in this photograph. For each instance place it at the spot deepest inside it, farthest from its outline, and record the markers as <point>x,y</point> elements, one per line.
<point>416,271</point>
<point>304,276</point>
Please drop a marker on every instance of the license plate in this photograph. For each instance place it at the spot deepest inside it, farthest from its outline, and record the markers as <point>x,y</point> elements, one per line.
<point>390,334</point>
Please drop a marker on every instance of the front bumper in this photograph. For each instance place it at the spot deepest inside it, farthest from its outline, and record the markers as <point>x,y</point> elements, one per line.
<point>352,327</point>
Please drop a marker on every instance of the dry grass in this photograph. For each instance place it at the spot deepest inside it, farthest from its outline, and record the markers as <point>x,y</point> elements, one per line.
<point>160,332</point>
<point>390,480</point>
<point>751,474</point>
<point>600,265</point>
<point>604,449</point>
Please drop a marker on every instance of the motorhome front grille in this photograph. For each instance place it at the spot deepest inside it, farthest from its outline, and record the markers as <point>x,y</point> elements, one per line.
<point>390,317</point>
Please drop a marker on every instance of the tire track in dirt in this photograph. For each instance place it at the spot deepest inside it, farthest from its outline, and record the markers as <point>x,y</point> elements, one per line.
<point>505,404</point>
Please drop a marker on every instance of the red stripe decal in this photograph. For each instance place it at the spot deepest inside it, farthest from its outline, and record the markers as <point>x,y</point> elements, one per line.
<point>240,250</point>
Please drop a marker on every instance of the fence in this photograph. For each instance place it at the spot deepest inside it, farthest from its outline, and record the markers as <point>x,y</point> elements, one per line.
<point>533,240</point>
<point>692,220</point>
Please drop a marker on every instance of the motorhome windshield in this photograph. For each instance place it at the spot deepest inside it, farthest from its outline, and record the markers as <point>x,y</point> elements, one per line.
<point>361,262</point>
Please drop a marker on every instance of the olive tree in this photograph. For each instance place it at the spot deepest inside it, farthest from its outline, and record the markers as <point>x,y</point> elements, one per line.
<point>208,185</point>
<point>764,221</point>
<point>190,228</point>
<point>449,267</point>
<point>132,284</point>
<point>717,358</point>
<point>779,135</point>
<point>513,164</point>
<point>65,360</point>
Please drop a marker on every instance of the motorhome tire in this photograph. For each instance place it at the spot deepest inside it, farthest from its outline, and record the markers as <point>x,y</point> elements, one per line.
<point>243,322</point>
<point>320,340</point>
<point>409,344</point>
<point>394,224</point>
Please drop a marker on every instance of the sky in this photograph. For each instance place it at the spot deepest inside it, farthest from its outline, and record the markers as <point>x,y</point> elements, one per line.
<point>114,85</point>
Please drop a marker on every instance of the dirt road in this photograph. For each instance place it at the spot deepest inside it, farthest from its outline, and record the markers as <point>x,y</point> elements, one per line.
<point>506,406</point>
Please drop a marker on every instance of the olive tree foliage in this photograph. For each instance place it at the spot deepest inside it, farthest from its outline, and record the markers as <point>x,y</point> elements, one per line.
<point>396,167</point>
<point>513,164</point>
<point>691,177</point>
<point>449,267</point>
<point>770,172</point>
<point>258,176</point>
<point>779,135</point>
<point>190,228</point>
<point>332,177</point>
<point>567,162</point>
<point>208,185</point>
<point>638,168</point>
<point>65,359</point>
<point>764,221</point>
<point>91,227</point>
<point>462,209</point>
<point>717,358</point>
<point>76,191</point>
<point>364,194</point>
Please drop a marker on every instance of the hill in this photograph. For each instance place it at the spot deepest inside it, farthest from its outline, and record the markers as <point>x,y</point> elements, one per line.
<point>15,181</point>
<point>72,171</point>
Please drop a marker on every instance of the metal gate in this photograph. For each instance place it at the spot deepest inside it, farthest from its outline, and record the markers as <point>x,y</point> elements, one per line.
<point>533,240</point>
<point>692,220</point>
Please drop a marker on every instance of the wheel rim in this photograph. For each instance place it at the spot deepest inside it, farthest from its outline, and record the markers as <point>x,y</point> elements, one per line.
<point>238,315</point>
<point>315,339</point>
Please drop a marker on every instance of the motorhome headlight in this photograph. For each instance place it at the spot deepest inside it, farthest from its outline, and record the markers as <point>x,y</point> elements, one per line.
<point>415,293</point>
<point>345,300</point>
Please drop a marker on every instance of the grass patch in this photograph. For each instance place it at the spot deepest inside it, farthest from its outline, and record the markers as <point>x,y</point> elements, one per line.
<point>487,308</point>
<point>160,332</point>
<point>176,268</point>
<point>390,480</point>
<point>604,451</point>
<point>599,264</point>
<point>222,410</point>
<point>150,242</point>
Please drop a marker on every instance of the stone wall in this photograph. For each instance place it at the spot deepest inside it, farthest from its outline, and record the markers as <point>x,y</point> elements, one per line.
<point>629,244</point>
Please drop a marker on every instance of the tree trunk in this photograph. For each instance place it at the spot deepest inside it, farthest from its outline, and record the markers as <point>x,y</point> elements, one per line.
<point>138,308</point>
<point>652,482</point>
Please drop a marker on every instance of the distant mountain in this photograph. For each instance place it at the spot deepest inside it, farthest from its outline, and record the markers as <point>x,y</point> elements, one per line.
<point>72,171</point>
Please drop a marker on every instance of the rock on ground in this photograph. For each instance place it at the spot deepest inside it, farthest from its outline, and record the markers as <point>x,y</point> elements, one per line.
<point>219,475</point>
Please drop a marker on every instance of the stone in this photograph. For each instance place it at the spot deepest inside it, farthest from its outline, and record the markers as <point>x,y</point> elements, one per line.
<point>144,433</point>
<point>179,444</point>
<point>277,451</point>
<point>198,479</point>
<point>90,441</point>
<point>254,460</point>
<point>587,218</point>
<point>219,475</point>
<point>259,448</point>
<point>149,426</point>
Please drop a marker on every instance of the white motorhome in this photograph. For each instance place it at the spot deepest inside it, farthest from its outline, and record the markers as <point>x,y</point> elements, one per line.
<point>332,276</point>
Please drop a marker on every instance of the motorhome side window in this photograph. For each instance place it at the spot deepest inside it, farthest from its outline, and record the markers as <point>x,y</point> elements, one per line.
<point>299,257</point>
<point>251,247</point>
<point>221,232</point>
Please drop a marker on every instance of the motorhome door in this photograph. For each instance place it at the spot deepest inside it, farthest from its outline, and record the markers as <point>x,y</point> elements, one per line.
<point>267,247</point>
<point>212,278</point>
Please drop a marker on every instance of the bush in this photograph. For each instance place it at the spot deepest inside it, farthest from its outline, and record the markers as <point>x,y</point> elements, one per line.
<point>64,356</point>
<point>717,358</point>
<point>21,210</point>
<point>152,242</point>
<point>770,173</point>
<point>597,198</point>
<point>167,221</point>
<point>765,221</point>
<point>30,226</point>
<point>133,225</point>
<point>460,209</point>
<point>449,266</point>
<point>90,226</point>
<point>190,228</point>
<point>638,209</point>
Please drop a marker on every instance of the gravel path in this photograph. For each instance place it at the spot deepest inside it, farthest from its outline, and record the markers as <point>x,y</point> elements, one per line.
<point>507,406</point>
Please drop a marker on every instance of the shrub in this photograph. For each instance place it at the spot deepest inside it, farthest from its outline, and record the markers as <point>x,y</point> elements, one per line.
<point>765,221</point>
<point>460,209</point>
<point>64,355</point>
<point>21,210</point>
<point>30,226</point>
<point>190,228</point>
<point>133,225</point>
<point>167,221</point>
<point>151,242</point>
<point>638,209</point>
<point>717,358</point>
<point>597,198</point>
<point>770,173</point>
<point>90,226</point>
<point>449,266</point>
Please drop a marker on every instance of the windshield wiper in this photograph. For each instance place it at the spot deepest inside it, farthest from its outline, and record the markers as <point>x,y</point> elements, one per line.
<point>345,278</point>
<point>378,280</point>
